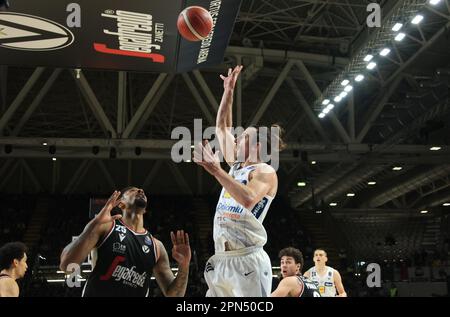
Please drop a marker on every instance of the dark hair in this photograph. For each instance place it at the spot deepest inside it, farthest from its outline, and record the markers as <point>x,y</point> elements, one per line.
<point>10,252</point>
<point>294,253</point>
<point>268,137</point>
<point>124,190</point>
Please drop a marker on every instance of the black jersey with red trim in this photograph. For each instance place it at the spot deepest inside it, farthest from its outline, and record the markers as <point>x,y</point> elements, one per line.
<point>309,289</point>
<point>124,264</point>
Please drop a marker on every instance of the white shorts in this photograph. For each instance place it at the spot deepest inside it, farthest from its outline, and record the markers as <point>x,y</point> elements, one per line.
<point>242,273</point>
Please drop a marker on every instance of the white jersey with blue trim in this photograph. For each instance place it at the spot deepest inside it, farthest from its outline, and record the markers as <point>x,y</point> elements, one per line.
<point>233,223</point>
<point>325,282</point>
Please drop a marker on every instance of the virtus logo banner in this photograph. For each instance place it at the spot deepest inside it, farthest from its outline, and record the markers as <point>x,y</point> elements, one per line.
<point>31,33</point>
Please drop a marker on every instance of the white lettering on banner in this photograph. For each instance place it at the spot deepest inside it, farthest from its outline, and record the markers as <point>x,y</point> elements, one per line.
<point>134,31</point>
<point>159,32</point>
<point>214,9</point>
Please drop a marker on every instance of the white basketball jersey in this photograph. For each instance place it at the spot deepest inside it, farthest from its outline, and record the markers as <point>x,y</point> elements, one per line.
<point>234,224</point>
<point>325,283</point>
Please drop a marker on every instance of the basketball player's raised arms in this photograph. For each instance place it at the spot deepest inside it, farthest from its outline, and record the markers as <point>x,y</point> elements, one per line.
<point>224,120</point>
<point>78,250</point>
<point>170,285</point>
<point>263,181</point>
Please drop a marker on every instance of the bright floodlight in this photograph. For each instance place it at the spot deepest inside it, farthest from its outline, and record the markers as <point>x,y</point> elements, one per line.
<point>371,65</point>
<point>397,27</point>
<point>417,19</point>
<point>359,78</point>
<point>385,51</point>
<point>368,58</point>
<point>400,37</point>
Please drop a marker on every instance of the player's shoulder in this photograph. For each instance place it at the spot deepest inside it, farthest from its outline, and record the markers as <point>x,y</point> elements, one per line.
<point>157,241</point>
<point>335,272</point>
<point>8,283</point>
<point>264,168</point>
<point>105,228</point>
<point>290,280</point>
<point>329,268</point>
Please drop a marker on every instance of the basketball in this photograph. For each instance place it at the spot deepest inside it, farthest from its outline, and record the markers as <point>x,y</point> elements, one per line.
<point>194,23</point>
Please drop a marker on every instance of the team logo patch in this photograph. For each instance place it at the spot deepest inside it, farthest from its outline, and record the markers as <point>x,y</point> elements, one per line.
<point>259,208</point>
<point>119,248</point>
<point>145,248</point>
<point>148,241</point>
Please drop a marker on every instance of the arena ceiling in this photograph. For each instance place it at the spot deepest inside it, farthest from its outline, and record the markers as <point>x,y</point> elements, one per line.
<point>294,52</point>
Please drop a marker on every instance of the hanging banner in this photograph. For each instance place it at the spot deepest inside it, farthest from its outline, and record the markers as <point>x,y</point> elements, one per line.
<point>137,35</point>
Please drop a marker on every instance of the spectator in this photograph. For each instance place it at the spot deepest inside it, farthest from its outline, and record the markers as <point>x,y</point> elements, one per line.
<point>393,291</point>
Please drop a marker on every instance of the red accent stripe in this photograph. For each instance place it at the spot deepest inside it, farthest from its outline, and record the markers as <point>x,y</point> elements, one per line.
<point>157,58</point>
<point>111,269</point>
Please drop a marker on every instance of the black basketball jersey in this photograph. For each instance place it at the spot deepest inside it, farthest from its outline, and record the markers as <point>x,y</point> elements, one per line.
<point>124,264</point>
<point>309,289</point>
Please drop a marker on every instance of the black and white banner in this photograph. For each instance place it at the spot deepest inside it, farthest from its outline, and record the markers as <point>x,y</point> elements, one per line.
<point>138,35</point>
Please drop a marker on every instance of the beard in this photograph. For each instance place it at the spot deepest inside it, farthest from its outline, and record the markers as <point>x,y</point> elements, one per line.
<point>140,203</point>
